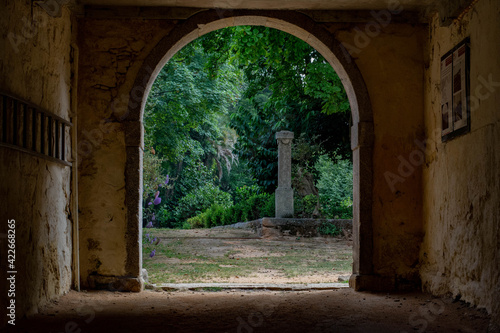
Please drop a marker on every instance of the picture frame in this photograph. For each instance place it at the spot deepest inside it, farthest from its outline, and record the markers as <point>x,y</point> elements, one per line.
<point>455,91</point>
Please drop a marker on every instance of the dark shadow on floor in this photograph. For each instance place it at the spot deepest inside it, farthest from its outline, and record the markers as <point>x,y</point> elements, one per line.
<point>340,310</point>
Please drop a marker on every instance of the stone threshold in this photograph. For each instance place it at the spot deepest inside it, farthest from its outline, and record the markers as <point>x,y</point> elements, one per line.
<point>245,286</point>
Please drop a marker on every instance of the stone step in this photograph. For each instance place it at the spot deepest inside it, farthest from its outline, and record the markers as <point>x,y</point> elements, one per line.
<point>246,286</point>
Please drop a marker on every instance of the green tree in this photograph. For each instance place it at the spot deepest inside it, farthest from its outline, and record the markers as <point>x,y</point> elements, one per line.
<point>186,121</point>
<point>289,86</point>
<point>213,112</point>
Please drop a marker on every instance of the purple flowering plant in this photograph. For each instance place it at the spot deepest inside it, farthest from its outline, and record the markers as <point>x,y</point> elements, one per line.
<point>156,187</point>
<point>155,191</point>
<point>149,242</point>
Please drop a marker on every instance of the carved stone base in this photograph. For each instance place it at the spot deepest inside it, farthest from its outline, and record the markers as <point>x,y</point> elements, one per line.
<point>365,282</point>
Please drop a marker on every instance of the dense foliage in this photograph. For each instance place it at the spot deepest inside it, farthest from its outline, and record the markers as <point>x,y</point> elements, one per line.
<point>289,86</point>
<point>210,122</point>
<point>335,186</point>
<point>255,207</point>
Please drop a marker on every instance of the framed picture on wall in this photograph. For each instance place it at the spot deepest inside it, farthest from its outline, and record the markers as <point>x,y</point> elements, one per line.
<point>455,89</point>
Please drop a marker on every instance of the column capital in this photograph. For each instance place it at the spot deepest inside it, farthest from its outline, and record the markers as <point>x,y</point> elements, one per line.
<point>284,135</point>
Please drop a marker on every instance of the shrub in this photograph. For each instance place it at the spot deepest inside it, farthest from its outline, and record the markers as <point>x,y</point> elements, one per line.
<point>342,210</point>
<point>335,187</point>
<point>230,215</point>
<point>195,222</point>
<point>163,218</point>
<point>255,207</point>
<point>310,204</point>
<point>227,217</point>
<point>214,216</point>
<point>244,212</point>
<point>269,209</point>
<point>154,181</point>
<point>306,206</point>
<point>199,200</point>
<point>329,229</point>
<point>245,192</point>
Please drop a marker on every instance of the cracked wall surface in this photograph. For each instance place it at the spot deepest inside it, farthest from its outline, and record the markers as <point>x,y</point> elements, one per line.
<point>461,250</point>
<point>110,55</point>
<point>35,66</point>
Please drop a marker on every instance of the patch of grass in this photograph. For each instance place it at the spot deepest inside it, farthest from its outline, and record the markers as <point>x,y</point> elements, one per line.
<point>192,260</point>
<point>302,264</point>
<point>193,272</point>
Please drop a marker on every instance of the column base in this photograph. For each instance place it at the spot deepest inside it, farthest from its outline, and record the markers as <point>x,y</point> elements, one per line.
<point>284,202</point>
<point>116,283</point>
<point>360,282</point>
<point>365,282</point>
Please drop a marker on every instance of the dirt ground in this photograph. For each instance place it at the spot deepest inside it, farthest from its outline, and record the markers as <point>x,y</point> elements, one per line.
<point>200,256</point>
<point>239,256</point>
<point>341,310</point>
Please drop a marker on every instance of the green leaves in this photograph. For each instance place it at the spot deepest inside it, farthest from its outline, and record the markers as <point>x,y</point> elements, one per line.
<point>222,98</point>
<point>200,199</point>
<point>289,86</point>
<point>335,186</point>
<point>323,83</point>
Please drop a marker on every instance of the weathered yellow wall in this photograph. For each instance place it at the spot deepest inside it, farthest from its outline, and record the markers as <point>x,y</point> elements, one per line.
<point>461,250</point>
<point>111,52</point>
<point>392,66</point>
<point>453,198</point>
<point>35,65</point>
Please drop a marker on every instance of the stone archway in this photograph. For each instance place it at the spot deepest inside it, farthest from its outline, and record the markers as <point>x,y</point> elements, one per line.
<point>301,26</point>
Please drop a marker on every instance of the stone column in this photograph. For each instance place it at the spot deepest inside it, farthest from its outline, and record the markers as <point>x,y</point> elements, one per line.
<point>284,192</point>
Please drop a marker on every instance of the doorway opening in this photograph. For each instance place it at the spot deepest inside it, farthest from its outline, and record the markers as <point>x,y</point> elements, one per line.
<point>211,161</point>
<point>349,75</point>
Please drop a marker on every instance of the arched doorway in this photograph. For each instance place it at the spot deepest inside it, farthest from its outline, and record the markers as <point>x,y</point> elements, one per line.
<point>315,35</point>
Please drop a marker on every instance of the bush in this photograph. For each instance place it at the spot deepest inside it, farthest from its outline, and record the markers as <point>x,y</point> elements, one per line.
<point>255,207</point>
<point>195,222</point>
<point>227,217</point>
<point>153,181</point>
<point>269,209</point>
<point>342,210</point>
<point>306,206</point>
<point>199,200</point>
<point>245,192</point>
<point>163,218</point>
<point>329,229</point>
<point>335,187</point>
<point>214,216</point>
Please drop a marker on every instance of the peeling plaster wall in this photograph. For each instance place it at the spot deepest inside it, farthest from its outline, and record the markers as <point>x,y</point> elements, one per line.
<point>111,53</point>
<point>35,66</point>
<point>392,65</point>
<point>461,250</point>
